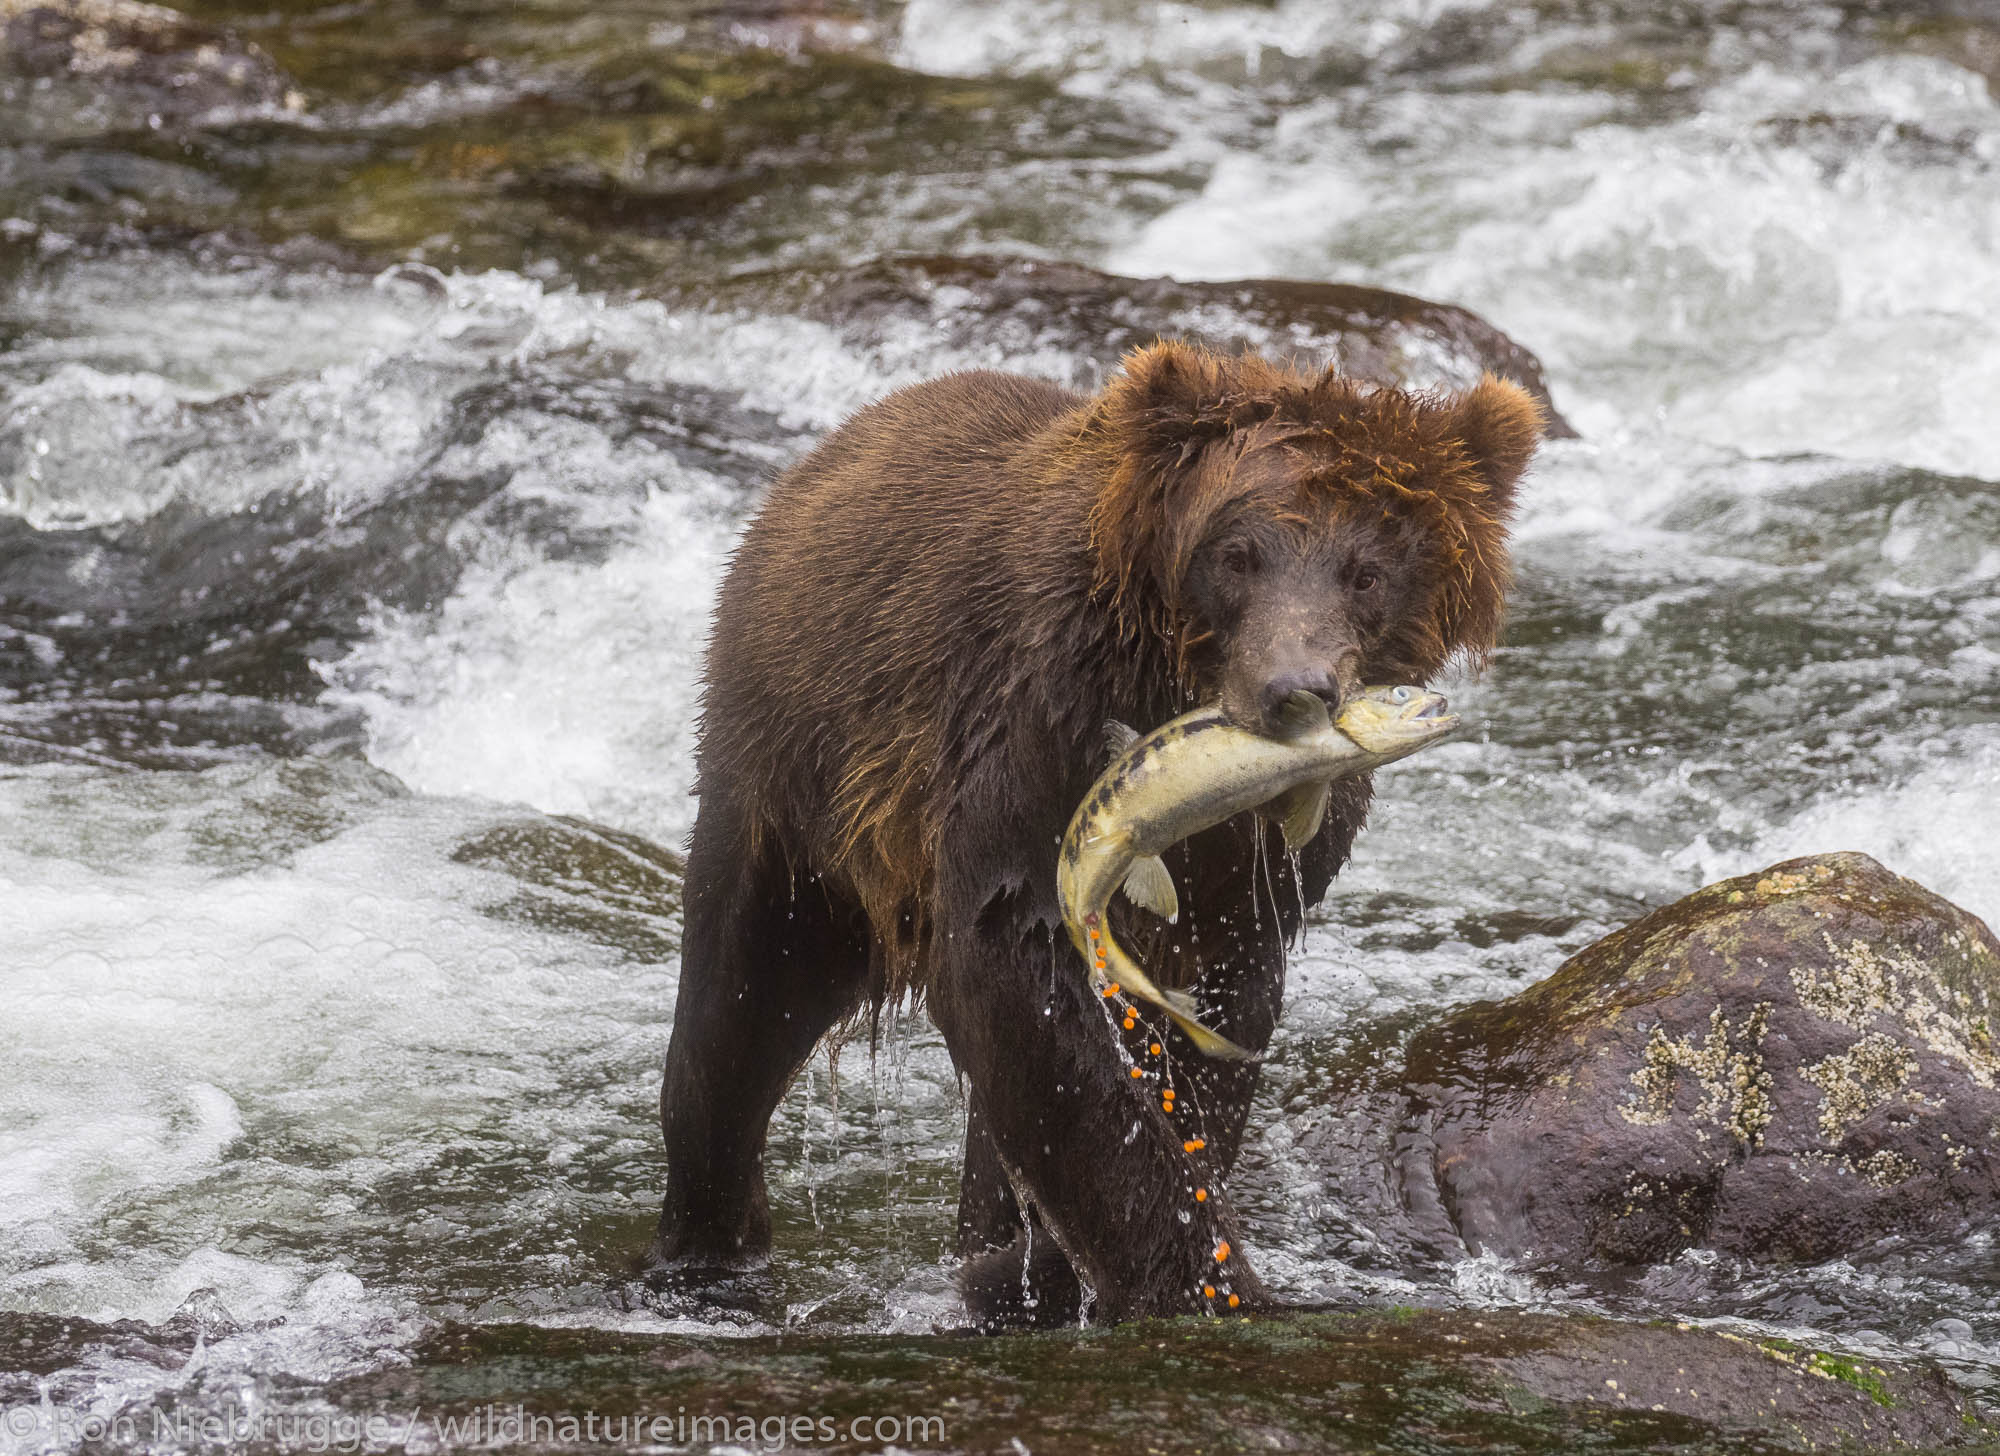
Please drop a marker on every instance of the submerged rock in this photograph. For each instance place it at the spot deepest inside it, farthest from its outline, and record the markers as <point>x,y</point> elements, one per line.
<point>1789,1065</point>
<point>611,886</point>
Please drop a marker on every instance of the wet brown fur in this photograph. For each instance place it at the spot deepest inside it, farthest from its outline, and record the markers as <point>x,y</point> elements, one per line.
<point>1410,461</point>
<point>1130,468</point>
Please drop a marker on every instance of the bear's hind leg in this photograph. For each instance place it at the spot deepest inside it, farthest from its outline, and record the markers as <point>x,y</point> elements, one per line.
<point>1013,1277</point>
<point>1029,1285</point>
<point>768,965</point>
<point>1133,1200</point>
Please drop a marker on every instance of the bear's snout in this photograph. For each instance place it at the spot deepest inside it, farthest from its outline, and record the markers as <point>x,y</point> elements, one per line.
<point>1321,684</point>
<point>1262,687</point>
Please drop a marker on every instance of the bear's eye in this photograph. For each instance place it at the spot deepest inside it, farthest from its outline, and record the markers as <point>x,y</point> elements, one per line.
<point>1367,579</point>
<point>1238,559</point>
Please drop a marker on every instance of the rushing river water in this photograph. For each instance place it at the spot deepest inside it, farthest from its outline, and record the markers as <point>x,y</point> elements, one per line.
<point>377,410</point>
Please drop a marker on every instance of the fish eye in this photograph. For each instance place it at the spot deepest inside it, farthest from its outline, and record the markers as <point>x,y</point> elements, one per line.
<point>1402,695</point>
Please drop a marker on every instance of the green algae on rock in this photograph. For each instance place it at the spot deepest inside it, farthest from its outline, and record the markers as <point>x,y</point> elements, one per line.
<point>1790,1064</point>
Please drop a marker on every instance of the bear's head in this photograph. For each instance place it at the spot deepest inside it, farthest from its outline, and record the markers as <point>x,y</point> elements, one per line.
<point>1285,530</point>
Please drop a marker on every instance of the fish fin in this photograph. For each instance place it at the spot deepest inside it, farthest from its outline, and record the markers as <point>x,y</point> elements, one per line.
<point>1118,737</point>
<point>1300,811</point>
<point>1147,883</point>
<point>1178,1005</point>
<point>1133,981</point>
<point>1210,1043</point>
<point>1302,713</point>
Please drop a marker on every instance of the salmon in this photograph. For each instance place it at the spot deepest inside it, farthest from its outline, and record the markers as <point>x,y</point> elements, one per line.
<point>1196,771</point>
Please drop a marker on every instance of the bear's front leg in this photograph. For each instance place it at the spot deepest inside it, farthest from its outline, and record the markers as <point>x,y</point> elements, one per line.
<point>768,963</point>
<point>1125,1188</point>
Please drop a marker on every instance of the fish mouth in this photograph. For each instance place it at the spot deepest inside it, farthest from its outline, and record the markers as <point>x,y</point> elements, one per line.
<point>1435,708</point>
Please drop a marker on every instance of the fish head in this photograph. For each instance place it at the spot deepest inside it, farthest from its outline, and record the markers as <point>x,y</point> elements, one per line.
<point>1396,720</point>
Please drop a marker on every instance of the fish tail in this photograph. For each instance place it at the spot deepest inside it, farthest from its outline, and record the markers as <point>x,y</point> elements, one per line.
<point>1178,1005</point>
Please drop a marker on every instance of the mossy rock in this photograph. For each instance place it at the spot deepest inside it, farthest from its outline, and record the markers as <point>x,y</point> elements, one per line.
<point>1355,1380</point>
<point>1792,1064</point>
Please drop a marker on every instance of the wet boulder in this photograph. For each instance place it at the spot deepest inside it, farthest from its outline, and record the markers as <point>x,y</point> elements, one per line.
<point>1052,318</point>
<point>1789,1065</point>
<point>78,67</point>
<point>607,885</point>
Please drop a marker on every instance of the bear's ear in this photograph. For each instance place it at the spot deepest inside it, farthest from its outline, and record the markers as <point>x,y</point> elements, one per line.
<point>1166,401</point>
<point>1497,425</point>
<point>1501,425</point>
<point>1147,430</point>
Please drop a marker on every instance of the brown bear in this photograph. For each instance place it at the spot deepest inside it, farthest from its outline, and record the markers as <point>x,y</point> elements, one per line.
<point>915,653</point>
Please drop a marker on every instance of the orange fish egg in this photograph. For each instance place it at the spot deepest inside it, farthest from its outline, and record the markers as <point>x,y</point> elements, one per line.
<point>1208,1291</point>
<point>1201,1195</point>
<point>1137,1073</point>
<point>1222,1251</point>
<point>1232,1301</point>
